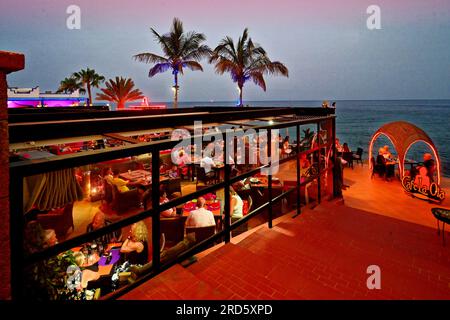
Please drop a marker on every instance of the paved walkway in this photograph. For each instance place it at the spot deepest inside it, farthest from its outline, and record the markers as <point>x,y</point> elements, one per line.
<point>322,254</point>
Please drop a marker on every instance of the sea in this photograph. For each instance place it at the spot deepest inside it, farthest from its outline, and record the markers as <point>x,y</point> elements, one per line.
<point>357,121</point>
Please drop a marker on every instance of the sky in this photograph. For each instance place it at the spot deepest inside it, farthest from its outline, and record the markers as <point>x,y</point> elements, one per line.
<point>326,45</point>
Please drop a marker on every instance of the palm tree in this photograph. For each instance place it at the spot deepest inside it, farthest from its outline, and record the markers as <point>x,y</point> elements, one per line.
<point>181,50</point>
<point>245,61</point>
<point>121,91</point>
<point>89,78</point>
<point>70,85</point>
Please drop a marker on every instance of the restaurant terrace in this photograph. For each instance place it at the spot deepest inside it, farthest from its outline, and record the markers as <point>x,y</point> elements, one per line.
<point>88,182</point>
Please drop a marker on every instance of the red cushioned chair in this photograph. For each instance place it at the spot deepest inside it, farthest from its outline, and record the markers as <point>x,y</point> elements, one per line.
<point>60,220</point>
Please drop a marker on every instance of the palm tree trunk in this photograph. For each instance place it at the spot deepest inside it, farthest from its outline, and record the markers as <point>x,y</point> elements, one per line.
<point>175,97</point>
<point>240,95</point>
<point>120,105</point>
<point>89,93</point>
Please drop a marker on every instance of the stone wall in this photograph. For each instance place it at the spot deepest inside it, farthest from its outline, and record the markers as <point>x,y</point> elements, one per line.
<point>9,62</point>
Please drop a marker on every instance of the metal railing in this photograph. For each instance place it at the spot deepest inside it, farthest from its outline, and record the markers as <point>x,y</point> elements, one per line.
<point>19,171</point>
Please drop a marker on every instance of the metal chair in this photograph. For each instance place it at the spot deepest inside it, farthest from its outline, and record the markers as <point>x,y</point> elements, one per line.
<point>442,215</point>
<point>357,156</point>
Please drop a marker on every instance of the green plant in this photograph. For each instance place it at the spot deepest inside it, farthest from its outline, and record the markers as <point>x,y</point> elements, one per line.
<point>46,280</point>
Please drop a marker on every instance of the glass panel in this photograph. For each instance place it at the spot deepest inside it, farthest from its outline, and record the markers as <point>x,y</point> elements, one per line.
<point>195,221</point>
<point>91,270</point>
<point>72,202</point>
<point>307,137</point>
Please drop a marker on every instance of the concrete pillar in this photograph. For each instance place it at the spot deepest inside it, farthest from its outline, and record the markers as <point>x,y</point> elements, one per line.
<point>9,62</point>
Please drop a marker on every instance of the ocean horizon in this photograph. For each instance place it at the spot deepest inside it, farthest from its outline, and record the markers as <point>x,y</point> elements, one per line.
<point>357,120</point>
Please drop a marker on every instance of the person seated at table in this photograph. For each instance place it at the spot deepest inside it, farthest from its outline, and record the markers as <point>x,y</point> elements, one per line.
<point>389,163</point>
<point>124,185</point>
<point>380,164</point>
<point>108,175</point>
<point>201,217</point>
<point>208,163</point>
<point>135,247</point>
<point>346,148</point>
<point>286,147</point>
<point>183,160</point>
<point>236,205</point>
<point>173,172</point>
<point>121,184</point>
<point>430,165</point>
<point>280,141</point>
<point>387,154</point>
<point>99,221</point>
<point>218,154</point>
<point>49,238</point>
<point>305,164</point>
<point>171,212</point>
<point>339,147</point>
<point>64,148</point>
<point>425,173</point>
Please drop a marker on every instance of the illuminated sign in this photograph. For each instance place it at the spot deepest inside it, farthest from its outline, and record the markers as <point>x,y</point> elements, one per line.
<point>431,193</point>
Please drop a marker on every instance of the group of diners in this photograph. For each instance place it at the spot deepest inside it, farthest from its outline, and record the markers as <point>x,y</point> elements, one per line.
<point>422,173</point>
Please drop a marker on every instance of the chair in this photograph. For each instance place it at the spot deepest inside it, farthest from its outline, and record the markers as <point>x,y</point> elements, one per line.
<point>104,283</point>
<point>250,205</point>
<point>348,156</point>
<point>202,176</point>
<point>108,191</point>
<point>173,229</point>
<point>60,220</point>
<point>291,199</point>
<point>243,227</point>
<point>173,188</point>
<point>442,215</point>
<point>357,156</point>
<point>123,201</point>
<point>201,233</point>
<point>378,166</point>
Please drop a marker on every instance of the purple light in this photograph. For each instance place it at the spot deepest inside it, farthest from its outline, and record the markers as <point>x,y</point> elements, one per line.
<point>47,102</point>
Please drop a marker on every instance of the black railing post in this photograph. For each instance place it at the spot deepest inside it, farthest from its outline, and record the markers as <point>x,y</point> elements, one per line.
<point>16,237</point>
<point>227,216</point>
<point>156,228</point>
<point>269,155</point>
<point>336,193</point>
<point>298,172</point>
<point>319,171</point>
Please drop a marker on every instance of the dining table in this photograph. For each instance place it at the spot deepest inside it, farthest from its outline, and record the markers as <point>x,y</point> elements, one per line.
<point>104,263</point>
<point>144,177</point>
<point>212,205</point>
<point>263,182</point>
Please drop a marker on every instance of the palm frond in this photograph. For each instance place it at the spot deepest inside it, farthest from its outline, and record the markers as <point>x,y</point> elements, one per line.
<point>120,90</point>
<point>192,65</point>
<point>147,57</point>
<point>180,50</point>
<point>258,79</point>
<point>159,68</point>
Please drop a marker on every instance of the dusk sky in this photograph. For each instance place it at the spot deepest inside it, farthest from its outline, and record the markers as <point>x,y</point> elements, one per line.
<point>329,51</point>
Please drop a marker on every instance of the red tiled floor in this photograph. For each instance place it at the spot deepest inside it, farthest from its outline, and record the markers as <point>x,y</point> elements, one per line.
<point>322,254</point>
